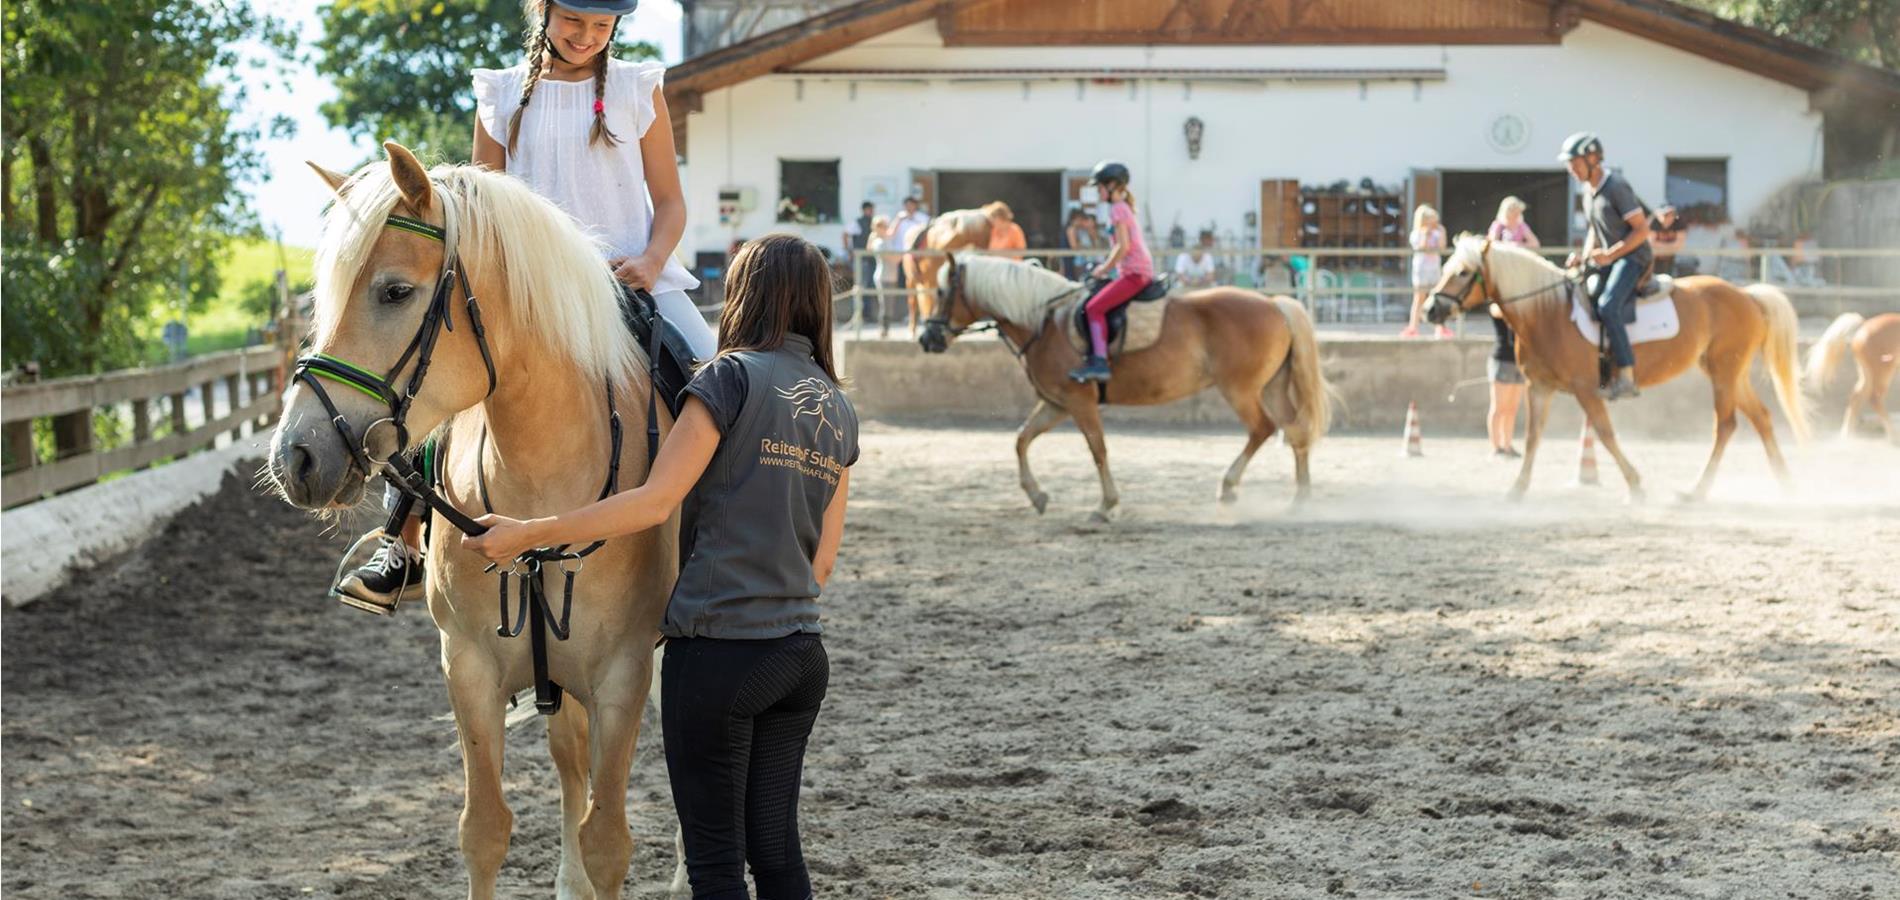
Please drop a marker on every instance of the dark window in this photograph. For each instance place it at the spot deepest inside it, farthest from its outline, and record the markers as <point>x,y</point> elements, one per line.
<point>1698,189</point>
<point>808,191</point>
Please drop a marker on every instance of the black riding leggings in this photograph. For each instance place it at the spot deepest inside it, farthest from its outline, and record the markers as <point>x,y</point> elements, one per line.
<point>736,715</point>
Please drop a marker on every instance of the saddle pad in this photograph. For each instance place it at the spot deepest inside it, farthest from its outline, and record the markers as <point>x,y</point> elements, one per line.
<point>1656,318</point>
<point>1142,330</point>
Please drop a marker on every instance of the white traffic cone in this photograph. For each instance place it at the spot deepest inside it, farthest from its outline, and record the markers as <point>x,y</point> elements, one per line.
<point>1413,439</point>
<point>1587,457</point>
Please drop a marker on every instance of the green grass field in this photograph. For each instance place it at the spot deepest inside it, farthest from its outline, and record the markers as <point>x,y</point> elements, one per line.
<point>225,324</point>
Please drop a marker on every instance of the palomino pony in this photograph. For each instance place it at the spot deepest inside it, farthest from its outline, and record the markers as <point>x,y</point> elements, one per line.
<point>1723,328</point>
<point>523,415</point>
<point>1876,346</point>
<point>1258,350</point>
<point>958,229</point>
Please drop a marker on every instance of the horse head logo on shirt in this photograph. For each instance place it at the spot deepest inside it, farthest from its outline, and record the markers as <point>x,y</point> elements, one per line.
<point>812,397</point>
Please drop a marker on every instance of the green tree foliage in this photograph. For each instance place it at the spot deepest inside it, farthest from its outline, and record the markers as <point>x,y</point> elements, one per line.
<point>1864,30</point>
<point>401,67</point>
<point>122,160</point>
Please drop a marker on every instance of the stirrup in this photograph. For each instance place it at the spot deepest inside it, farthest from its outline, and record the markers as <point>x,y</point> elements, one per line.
<point>344,567</point>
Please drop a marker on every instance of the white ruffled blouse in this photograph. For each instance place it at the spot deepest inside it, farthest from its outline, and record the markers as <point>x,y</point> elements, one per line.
<point>602,186</point>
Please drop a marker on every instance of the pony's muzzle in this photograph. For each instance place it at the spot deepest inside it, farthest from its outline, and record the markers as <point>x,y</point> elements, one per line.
<point>1439,309</point>
<point>311,466</point>
<point>933,339</point>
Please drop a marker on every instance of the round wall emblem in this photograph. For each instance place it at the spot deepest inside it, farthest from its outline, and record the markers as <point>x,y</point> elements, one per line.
<point>1508,133</point>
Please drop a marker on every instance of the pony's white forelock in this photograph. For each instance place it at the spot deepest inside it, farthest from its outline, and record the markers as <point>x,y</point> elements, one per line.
<point>559,288</point>
<point>1012,290</point>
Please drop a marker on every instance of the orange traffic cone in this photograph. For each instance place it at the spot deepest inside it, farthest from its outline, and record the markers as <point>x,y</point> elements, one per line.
<point>1587,457</point>
<point>1413,446</point>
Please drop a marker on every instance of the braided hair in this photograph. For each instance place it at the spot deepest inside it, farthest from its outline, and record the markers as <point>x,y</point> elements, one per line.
<point>539,48</point>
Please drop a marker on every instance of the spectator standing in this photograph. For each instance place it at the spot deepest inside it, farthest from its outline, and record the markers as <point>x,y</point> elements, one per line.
<point>1005,234</point>
<point>1084,233</point>
<point>1428,240</point>
<point>857,236</point>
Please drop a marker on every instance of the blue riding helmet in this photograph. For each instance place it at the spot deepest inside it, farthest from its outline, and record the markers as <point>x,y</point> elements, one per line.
<point>1583,143</point>
<point>610,7</point>
<point>1108,171</point>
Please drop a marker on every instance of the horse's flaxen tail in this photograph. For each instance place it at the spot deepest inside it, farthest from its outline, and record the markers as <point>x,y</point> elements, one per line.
<point>1826,354</point>
<point>1312,396</point>
<point>1781,354</point>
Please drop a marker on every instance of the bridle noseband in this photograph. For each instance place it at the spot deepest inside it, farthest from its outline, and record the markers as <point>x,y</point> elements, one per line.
<point>1491,295</point>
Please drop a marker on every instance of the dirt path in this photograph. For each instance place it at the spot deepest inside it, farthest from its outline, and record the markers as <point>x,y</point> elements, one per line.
<point>1409,689</point>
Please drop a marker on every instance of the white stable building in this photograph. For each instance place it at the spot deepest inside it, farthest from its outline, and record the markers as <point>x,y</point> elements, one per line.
<point>1227,110</point>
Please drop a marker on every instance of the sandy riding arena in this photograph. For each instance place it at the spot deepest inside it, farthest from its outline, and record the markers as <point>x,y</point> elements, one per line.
<point>1409,688</point>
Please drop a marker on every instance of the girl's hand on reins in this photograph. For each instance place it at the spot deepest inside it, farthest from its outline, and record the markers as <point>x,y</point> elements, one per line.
<point>504,540</point>
<point>636,271</point>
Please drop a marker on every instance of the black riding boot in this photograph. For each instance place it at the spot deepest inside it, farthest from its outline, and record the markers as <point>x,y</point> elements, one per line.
<point>1094,368</point>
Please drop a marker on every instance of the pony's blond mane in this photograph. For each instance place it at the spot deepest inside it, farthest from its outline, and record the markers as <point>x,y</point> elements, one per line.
<point>1013,291</point>
<point>559,288</point>
<point>1515,269</point>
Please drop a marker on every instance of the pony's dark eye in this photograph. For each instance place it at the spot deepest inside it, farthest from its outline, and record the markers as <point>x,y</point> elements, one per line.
<point>397,293</point>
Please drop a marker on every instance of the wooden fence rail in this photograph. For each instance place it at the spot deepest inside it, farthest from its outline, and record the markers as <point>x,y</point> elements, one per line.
<point>72,402</point>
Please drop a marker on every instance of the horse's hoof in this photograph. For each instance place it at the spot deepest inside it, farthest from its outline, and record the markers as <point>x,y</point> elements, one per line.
<point>1682,497</point>
<point>1228,495</point>
<point>1637,497</point>
<point>1040,501</point>
<point>1099,517</point>
<point>1515,495</point>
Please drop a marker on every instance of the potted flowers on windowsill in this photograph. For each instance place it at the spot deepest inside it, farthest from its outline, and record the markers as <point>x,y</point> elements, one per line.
<point>797,210</point>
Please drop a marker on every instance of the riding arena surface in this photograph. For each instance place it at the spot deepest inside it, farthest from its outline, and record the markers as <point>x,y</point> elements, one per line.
<point>1406,688</point>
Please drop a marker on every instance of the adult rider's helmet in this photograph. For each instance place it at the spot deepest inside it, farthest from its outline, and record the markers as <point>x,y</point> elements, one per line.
<point>1583,143</point>
<point>1109,172</point>
<point>610,7</point>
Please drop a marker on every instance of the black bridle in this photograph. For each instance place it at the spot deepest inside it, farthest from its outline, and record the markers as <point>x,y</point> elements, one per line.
<point>953,293</point>
<point>532,607</point>
<point>314,366</point>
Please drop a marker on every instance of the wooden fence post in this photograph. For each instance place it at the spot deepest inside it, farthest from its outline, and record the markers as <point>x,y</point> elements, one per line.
<point>19,443</point>
<point>208,393</point>
<point>234,403</point>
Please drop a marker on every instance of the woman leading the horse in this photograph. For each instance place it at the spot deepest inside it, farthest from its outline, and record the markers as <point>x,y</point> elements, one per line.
<point>1128,258</point>
<point>759,467</point>
<point>591,133</point>
<point>1618,242</point>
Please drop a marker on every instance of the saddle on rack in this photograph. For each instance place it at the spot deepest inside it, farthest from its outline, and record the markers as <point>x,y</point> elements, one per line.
<point>1135,325</point>
<point>674,366</point>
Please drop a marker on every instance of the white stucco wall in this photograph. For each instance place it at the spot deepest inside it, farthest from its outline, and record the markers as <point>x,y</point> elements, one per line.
<point>1648,101</point>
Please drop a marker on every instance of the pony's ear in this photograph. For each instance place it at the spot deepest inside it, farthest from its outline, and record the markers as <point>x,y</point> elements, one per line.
<point>412,180</point>
<point>336,180</point>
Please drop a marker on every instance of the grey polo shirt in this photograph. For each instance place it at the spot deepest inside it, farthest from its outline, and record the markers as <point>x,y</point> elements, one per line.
<point>1609,203</point>
<point>750,527</point>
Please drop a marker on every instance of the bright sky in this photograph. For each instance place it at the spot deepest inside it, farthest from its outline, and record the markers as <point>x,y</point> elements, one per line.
<point>290,197</point>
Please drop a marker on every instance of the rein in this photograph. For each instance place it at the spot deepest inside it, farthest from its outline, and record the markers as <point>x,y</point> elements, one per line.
<point>533,607</point>
<point>942,320</point>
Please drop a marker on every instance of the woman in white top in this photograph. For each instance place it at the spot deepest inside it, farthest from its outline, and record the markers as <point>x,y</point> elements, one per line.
<point>1428,240</point>
<point>592,134</point>
<point>1197,268</point>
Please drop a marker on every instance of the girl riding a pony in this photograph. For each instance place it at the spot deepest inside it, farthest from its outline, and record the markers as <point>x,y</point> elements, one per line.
<point>591,133</point>
<point>1129,252</point>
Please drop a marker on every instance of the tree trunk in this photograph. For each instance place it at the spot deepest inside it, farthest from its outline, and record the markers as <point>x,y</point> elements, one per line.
<point>44,190</point>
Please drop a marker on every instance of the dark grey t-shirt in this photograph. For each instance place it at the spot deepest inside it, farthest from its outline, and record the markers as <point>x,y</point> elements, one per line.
<point>1612,200</point>
<point>750,527</point>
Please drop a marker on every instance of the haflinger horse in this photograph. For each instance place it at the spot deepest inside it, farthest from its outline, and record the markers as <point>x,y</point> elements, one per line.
<point>1259,351</point>
<point>958,229</point>
<point>1876,346</point>
<point>521,394</point>
<point>1722,329</point>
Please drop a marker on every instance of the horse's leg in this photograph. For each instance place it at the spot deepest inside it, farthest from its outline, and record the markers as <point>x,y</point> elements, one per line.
<point>1757,413</point>
<point>1598,412</point>
<point>476,694</point>
<point>1281,411</point>
<point>1538,412</point>
<point>1045,416</point>
<point>567,743</point>
<point>1877,400</point>
<point>1247,404</point>
<point>606,843</point>
<point>1088,419</point>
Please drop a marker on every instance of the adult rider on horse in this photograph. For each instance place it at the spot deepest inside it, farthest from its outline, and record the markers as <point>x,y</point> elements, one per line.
<point>1618,243</point>
<point>1130,253</point>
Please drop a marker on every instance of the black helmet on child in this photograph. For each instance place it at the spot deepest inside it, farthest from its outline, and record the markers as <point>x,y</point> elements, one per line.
<point>1107,171</point>
<point>609,7</point>
<point>1583,143</point>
